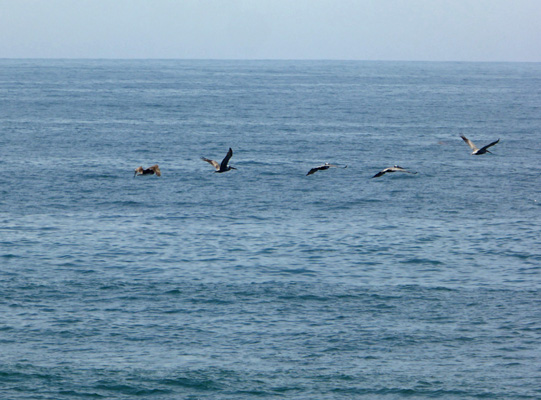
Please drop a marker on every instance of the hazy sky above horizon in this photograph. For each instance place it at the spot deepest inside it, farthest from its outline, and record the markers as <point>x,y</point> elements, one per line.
<point>421,30</point>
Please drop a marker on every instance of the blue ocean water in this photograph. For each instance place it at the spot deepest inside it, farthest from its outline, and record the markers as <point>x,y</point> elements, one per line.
<point>263,282</point>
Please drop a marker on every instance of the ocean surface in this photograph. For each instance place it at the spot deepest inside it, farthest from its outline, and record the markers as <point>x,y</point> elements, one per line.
<point>262,282</point>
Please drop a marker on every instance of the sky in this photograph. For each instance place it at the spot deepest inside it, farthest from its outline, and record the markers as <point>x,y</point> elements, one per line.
<point>409,30</point>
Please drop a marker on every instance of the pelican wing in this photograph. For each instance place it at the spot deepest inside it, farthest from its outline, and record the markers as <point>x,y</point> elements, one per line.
<point>156,170</point>
<point>320,168</point>
<point>211,162</point>
<point>469,142</point>
<point>380,173</point>
<point>313,171</point>
<point>488,145</point>
<point>226,159</point>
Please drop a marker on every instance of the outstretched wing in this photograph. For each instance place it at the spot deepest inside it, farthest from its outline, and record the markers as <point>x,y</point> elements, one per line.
<point>226,159</point>
<point>404,170</point>
<point>156,170</point>
<point>469,142</point>
<point>380,173</point>
<point>320,168</point>
<point>313,171</point>
<point>491,144</point>
<point>211,162</point>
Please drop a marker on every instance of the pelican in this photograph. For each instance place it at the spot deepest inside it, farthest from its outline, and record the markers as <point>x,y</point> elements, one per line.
<point>396,168</point>
<point>223,167</point>
<point>149,171</point>
<point>475,150</point>
<point>323,167</point>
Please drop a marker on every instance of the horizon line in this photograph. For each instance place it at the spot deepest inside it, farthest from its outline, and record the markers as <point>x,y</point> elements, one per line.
<point>264,59</point>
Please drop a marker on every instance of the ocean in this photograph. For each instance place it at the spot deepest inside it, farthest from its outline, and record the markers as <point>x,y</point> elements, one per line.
<point>263,282</point>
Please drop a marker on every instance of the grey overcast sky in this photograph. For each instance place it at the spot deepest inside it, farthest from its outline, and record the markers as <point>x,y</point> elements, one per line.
<point>424,30</point>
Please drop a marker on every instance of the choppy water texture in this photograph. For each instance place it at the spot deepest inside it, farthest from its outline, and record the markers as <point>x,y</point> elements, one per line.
<point>264,282</point>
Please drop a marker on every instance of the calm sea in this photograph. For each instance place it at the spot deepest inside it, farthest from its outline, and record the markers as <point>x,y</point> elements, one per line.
<point>263,282</point>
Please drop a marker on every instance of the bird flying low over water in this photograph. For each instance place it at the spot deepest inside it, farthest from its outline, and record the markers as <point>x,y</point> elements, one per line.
<point>323,167</point>
<point>149,171</point>
<point>396,168</point>
<point>475,150</point>
<point>223,167</point>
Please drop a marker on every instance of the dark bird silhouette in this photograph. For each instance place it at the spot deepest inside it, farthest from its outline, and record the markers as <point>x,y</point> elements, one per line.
<point>149,171</point>
<point>396,168</point>
<point>223,167</point>
<point>475,150</point>
<point>323,167</point>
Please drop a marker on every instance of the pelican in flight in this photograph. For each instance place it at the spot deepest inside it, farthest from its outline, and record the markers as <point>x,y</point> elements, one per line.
<point>323,167</point>
<point>148,171</point>
<point>396,168</point>
<point>475,150</point>
<point>223,167</point>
